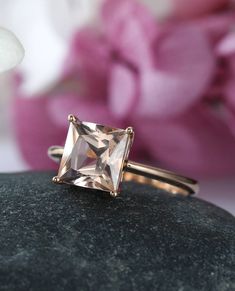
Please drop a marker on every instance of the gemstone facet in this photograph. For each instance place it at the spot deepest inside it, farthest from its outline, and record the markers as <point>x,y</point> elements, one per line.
<point>94,156</point>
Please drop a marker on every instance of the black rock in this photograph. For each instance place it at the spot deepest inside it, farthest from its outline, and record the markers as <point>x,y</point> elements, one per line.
<point>58,237</point>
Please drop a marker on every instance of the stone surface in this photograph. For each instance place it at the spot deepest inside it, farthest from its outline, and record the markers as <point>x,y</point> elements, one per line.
<point>59,237</point>
<point>93,156</point>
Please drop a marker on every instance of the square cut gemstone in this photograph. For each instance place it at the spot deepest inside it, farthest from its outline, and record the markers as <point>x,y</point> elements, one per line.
<point>94,156</point>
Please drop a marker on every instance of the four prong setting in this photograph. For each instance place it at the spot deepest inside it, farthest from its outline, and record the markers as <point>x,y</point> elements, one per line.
<point>94,156</point>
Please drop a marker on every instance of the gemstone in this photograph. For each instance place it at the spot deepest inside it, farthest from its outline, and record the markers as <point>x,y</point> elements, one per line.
<point>94,156</point>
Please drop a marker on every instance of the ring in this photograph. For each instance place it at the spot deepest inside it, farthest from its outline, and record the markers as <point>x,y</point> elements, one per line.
<point>96,157</point>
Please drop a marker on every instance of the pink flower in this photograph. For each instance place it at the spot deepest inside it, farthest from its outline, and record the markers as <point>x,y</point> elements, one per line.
<point>36,130</point>
<point>226,52</point>
<point>167,57</point>
<point>88,61</point>
<point>197,143</point>
<point>160,78</point>
<point>191,8</point>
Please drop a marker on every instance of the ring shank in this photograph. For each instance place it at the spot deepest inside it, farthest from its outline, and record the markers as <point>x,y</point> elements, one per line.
<point>159,178</point>
<point>144,174</point>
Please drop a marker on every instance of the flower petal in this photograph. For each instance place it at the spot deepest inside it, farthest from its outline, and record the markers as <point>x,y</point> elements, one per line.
<point>35,131</point>
<point>216,26</point>
<point>184,69</point>
<point>230,85</point>
<point>123,90</point>
<point>197,144</point>
<point>133,24</point>
<point>191,8</point>
<point>231,119</point>
<point>89,59</point>
<point>227,46</point>
<point>11,50</point>
<point>61,106</point>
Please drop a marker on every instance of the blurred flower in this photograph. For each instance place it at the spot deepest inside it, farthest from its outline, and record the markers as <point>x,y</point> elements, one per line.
<point>11,50</point>
<point>183,9</point>
<point>226,52</point>
<point>190,8</point>
<point>172,81</point>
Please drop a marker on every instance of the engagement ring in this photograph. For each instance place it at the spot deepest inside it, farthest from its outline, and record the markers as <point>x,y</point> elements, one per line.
<point>96,157</point>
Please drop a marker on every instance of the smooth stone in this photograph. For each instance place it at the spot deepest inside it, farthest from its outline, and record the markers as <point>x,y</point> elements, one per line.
<point>60,237</point>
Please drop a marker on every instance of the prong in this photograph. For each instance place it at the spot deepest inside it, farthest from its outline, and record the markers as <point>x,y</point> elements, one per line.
<point>114,194</point>
<point>130,131</point>
<point>72,118</point>
<point>56,180</point>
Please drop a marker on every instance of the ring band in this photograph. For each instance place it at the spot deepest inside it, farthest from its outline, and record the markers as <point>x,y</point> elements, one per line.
<point>96,156</point>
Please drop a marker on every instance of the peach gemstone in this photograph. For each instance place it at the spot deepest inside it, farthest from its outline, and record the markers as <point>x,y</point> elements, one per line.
<point>94,156</point>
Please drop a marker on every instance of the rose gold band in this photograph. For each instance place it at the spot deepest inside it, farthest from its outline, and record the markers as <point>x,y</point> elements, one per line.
<point>161,179</point>
<point>144,174</point>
